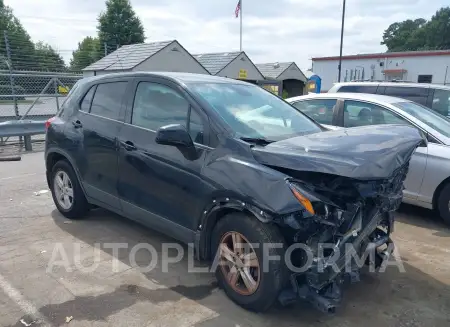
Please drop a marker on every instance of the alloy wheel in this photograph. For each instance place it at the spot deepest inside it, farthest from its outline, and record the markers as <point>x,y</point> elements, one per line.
<point>63,189</point>
<point>239,263</point>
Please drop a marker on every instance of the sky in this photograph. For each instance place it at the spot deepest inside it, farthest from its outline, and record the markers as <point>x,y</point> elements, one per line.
<point>273,31</point>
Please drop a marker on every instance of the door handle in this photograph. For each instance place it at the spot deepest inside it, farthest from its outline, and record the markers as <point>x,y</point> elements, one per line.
<point>128,145</point>
<point>77,124</point>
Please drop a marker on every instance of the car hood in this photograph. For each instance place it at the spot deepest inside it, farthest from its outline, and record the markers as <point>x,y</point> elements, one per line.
<point>369,152</point>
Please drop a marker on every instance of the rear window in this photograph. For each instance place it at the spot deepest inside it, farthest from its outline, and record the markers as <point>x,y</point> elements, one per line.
<point>358,89</point>
<point>416,94</point>
<point>107,100</point>
<point>69,99</point>
<point>441,102</point>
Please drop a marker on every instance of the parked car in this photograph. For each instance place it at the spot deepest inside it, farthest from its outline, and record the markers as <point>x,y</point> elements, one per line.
<point>170,151</point>
<point>428,181</point>
<point>434,96</point>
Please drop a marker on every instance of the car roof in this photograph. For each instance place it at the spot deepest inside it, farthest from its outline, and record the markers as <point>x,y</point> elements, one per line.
<point>184,78</point>
<point>355,96</point>
<point>401,84</point>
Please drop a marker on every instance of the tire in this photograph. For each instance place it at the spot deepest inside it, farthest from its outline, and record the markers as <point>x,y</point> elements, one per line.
<point>443,204</point>
<point>79,205</point>
<point>272,280</point>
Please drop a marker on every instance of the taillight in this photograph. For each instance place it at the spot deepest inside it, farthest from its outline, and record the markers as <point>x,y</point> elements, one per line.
<point>49,122</point>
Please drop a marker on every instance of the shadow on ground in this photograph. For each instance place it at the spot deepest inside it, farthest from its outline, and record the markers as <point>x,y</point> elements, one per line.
<point>424,218</point>
<point>391,298</point>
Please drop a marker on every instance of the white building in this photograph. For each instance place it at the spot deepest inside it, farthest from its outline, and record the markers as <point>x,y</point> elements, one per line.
<point>412,66</point>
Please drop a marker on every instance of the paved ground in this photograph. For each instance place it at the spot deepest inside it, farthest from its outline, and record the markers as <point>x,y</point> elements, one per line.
<point>31,229</point>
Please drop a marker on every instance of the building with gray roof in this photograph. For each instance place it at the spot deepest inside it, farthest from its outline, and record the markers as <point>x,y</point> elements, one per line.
<point>235,65</point>
<point>288,73</point>
<point>168,56</point>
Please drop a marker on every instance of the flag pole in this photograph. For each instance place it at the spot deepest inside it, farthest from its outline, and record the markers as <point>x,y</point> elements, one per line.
<point>241,26</point>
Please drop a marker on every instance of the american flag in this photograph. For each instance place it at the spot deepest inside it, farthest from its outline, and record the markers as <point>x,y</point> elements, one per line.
<point>238,8</point>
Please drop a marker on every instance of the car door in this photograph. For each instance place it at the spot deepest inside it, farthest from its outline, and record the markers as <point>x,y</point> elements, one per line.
<point>323,111</point>
<point>360,113</point>
<point>161,185</point>
<point>98,122</point>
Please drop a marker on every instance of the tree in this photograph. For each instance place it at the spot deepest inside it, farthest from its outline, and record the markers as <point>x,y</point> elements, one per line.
<point>88,52</point>
<point>119,25</point>
<point>21,46</point>
<point>398,35</point>
<point>47,58</point>
<point>419,34</point>
<point>437,33</point>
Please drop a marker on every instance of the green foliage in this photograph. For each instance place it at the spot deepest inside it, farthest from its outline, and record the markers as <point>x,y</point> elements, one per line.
<point>25,55</point>
<point>22,48</point>
<point>419,34</point>
<point>47,58</point>
<point>119,25</point>
<point>88,52</point>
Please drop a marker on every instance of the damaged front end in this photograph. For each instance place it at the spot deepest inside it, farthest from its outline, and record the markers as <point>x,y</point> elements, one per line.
<point>348,182</point>
<point>346,223</point>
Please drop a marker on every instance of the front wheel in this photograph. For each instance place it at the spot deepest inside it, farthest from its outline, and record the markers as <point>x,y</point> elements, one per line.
<point>443,204</point>
<point>243,248</point>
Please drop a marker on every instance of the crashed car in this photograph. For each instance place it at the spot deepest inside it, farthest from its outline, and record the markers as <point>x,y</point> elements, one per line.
<point>270,197</point>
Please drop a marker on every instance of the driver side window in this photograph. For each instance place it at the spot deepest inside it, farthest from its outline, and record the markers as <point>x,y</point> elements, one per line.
<point>156,105</point>
<point>358,113</point>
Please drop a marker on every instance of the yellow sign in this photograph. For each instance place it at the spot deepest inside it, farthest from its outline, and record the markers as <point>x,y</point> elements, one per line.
<point>62,89</point>
<point>243,74</point>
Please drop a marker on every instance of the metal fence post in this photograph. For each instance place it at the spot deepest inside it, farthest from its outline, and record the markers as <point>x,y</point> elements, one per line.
<point>56,94</point>
<point>11,77</point>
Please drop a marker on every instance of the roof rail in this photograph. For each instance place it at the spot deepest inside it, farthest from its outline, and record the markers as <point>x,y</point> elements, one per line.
<point>381,80</point>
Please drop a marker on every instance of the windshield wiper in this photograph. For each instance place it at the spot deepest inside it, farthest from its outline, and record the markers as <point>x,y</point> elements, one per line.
<point>257,140</point>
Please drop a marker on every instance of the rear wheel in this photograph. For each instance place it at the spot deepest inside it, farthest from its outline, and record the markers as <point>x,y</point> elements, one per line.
<point>66,191</point>
<point>243,245</point>
<point>443,204</point>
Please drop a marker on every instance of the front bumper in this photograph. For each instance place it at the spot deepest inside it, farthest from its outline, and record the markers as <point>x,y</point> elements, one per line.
<point>321,284</point>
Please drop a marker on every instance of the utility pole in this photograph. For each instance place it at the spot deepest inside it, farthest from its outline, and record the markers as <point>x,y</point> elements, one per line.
<point>11,77</point>
<point>342,39</point>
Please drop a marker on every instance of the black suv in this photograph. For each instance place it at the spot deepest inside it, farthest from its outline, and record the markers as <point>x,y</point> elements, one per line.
<point>235,171</point>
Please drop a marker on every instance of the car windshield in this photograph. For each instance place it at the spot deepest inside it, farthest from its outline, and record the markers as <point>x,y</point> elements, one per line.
<point>426,116</point>
<point>253,112</point>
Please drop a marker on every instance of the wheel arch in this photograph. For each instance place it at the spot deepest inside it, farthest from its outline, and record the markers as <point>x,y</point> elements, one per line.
<point>55,155</point>
<point>218,210</point>
<point>438,191</point>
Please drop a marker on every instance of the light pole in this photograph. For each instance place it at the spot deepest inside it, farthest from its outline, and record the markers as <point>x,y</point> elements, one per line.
<point>342,39</point>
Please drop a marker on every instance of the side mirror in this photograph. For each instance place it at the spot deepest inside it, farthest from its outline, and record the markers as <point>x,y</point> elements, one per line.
<point>175,135</point>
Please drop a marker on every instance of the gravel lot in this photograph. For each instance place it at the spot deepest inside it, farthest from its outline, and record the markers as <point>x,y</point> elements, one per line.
<point>30,293</point>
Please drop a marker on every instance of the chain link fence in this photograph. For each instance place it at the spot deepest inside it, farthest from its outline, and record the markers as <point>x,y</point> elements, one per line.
<point>28,95</point>
<point>33,95</point>
<point>34,81</point>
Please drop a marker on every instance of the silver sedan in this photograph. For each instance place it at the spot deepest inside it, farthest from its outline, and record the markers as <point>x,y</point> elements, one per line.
<point>428,182</point>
